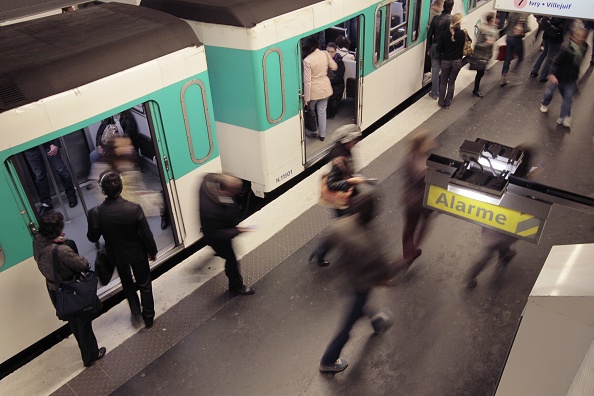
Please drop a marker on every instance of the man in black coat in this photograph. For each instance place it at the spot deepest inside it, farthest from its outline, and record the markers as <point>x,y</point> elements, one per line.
<point>219,216</point>
<point>439,24</point>
<point>128,242</point>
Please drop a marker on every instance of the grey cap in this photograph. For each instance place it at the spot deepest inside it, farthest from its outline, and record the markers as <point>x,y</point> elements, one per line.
<point>348,133</point>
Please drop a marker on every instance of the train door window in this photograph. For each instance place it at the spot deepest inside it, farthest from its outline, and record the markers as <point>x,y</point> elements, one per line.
<point>391,29</point>
<point>418,5</point>
<point>62,174</point>
<point>472,4</point>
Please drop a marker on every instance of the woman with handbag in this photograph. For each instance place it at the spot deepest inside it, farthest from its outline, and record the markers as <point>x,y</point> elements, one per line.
<point>483,50</point>
<point>316,84</point>
<point>450,45</point>
<point>50,245</point>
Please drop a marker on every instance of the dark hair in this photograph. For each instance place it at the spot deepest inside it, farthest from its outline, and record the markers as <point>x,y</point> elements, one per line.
<point>448,5</point>
<point>490,17</point>
<point>343,42</point>
<point>331,45</point>
<point>310,44</point>
<point>111,184</point>
<point>51,224</point>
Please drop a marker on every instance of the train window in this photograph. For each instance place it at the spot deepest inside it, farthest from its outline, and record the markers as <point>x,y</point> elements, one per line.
<point>391,29</point>
<point>472,4</point>
<point>418,4</point>
<point>61,173</point>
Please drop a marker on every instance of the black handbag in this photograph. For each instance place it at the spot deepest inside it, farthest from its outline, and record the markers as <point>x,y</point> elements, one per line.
<point>477,64</point>
<point>309,119</point>
<point>75,296</point>
<point>103,267</point>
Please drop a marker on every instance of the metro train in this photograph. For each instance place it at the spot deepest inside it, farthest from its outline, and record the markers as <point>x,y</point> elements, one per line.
<point>210,87</point>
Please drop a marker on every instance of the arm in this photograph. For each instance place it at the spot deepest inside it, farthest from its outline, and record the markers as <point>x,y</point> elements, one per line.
<point>306,82</point>
<point>339,75</point>
<point>331,64</point>
<point>145,233</point>
<point>73,261</point>
<point>431,33</point>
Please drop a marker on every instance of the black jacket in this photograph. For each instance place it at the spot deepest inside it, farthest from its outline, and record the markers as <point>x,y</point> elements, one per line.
<point>439,24</point>
<point>566,65</point>
<point>128,237</point>
<point>552,28</point>
<point>451,50</point>
<point>337,78</point>
<point>219,216</point>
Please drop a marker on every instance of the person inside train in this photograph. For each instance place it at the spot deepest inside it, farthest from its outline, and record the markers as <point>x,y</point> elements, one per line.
<point>51,151</point>
<point>342,48</point>
<point>120,124</point>
<point>49,238</point>
<point>336,80</point>
<point>316,84</point>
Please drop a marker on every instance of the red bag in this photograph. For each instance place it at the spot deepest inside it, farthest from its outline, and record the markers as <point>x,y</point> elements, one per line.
<point>502,52</point>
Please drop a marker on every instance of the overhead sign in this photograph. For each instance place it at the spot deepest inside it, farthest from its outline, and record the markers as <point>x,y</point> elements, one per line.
<point>583,9</point>
<point>509,221</point>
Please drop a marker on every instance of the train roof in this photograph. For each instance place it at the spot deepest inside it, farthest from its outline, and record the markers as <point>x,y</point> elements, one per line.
<point>50,55</point>
<point>241,13</point>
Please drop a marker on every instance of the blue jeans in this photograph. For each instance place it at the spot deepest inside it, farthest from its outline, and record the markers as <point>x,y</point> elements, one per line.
<point>333,349</point>
<point>547,55</point>
<point>449,73</point>
<point>515,45</point>
<point>35,159</point>
<point>435,67</point>
<point>320,105</point>
<point>567,90</point>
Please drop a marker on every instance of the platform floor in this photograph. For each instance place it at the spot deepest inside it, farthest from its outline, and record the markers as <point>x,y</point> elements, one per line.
<point>446,340</point>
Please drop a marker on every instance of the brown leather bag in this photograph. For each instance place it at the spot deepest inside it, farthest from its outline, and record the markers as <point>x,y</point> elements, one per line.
<point>335,199</point>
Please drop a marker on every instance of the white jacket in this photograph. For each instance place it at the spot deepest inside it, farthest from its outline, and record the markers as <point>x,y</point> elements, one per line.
<point>316,84</point>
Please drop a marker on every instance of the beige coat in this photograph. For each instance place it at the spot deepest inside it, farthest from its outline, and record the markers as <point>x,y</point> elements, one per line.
<point>316,84</point>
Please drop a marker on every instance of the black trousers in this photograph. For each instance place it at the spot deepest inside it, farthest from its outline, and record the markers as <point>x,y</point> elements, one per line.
<point>224,249</point>
<point>142,274</point>
<point>82,328</point>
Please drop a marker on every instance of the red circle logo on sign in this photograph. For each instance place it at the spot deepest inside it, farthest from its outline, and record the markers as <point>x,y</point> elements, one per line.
<point>520,3</point>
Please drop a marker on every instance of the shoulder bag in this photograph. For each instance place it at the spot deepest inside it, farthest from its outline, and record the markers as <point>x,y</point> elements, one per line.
<point>75,296</point>
<point>468,51</point>
<point>335,199</point>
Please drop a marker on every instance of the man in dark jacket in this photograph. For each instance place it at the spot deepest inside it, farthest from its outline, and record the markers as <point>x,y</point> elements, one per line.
<point>219,217</point>
<point>439,24</point>
<point>564,74</point>
<point>128,242</point>
<point>552,38</point>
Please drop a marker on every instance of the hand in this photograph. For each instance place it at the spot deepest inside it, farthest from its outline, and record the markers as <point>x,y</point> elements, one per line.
<point>246,228</point>
<point>100,150</point>
<point>53,150</point>
<point>553,79</point>
<point>356,180</point>
<point>152,257</point>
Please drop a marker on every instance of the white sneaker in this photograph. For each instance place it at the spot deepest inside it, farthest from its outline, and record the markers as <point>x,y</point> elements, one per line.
<point>543,108</point>
<point>567,122</point>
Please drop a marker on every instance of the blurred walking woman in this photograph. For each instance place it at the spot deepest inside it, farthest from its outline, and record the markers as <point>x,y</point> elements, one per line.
<point>316,84</point>
<point>483,50</point>
<point>69,264</point>
<point>451,47</point>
